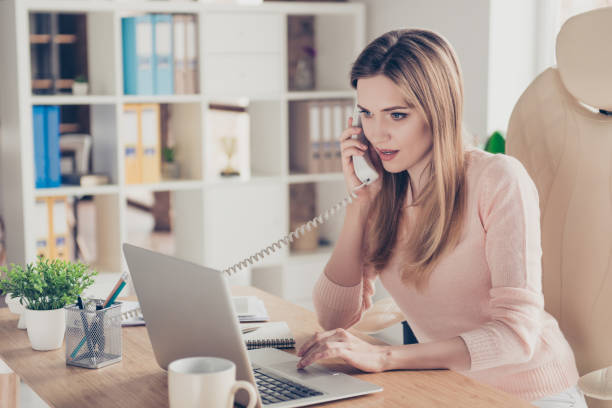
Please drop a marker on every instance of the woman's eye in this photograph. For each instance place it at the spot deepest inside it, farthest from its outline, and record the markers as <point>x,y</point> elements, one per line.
<point>365,113</point>
<point>398,115</point>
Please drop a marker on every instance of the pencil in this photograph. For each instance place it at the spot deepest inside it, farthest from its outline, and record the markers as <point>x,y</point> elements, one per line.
<point>110,299</point>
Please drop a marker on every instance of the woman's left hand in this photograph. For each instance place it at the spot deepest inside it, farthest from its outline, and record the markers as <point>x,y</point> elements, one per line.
<point>340,343</point>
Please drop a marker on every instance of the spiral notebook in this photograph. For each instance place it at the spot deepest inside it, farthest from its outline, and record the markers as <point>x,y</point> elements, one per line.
<point>270,334</point>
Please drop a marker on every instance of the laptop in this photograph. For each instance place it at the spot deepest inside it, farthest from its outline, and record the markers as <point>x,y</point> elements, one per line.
<point>189,312</point>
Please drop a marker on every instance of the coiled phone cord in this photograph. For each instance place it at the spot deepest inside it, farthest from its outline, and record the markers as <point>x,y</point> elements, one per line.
<point>287,239</point>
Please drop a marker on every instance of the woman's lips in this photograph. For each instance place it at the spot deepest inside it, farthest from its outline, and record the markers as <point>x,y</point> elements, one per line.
<point>386,155</point>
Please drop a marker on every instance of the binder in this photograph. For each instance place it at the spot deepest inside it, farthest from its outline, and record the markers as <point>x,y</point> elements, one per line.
<point>349,107</point>
<point>163,61</point>
<point>54,176</point>
<point>327,153</point>
<point>40,146</point>
<point>305,137</point>
<point>59,228</point>
<point>339,122</point>
<point>179,53</point>
<point>130,130</point>
<point>314,127</point>
<point>150,140</point>
<point>41,231</point>
<point>191,54</point>
<point>137,40</point>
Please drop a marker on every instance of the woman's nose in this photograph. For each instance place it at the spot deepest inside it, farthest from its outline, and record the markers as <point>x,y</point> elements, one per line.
<point>377,132</point>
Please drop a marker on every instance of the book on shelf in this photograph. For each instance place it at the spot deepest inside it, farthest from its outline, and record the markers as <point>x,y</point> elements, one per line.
<point>45,128</point>
<point>84,180</point>
<point>137,39</point>
<point>150,141</point>
<point>163,61</point>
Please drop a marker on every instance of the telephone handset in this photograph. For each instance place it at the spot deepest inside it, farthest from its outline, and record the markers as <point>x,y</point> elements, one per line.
<point>362,164</point>
<point>365,172</point>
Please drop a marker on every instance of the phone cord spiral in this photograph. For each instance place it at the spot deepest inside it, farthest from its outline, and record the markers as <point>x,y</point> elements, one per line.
<point>287,239</point>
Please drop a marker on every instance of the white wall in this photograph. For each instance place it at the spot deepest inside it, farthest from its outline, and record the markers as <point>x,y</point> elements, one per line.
<point>464,23</point>
<point>511,57</point>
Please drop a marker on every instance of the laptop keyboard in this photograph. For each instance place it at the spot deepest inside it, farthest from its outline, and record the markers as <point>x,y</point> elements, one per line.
<point>273,388</point>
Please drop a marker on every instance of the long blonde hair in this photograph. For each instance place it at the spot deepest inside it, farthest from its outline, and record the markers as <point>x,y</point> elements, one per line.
<point>425,68</point>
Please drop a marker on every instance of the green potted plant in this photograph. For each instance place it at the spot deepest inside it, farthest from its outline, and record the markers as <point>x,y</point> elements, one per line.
<point>44,287</point>
<point>80,85</point>
<point>170,168</point>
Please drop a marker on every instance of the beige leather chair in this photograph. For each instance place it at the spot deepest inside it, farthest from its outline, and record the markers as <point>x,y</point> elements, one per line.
<point>567,149</point>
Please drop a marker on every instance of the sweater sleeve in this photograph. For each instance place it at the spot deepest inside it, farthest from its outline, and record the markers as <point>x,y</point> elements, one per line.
<point>509,211</point>
<point>342,306</point>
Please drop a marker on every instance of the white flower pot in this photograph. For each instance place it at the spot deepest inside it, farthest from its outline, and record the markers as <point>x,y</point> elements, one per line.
<point>80,88</point>
<point>17,308</point>
<point>46,328</point>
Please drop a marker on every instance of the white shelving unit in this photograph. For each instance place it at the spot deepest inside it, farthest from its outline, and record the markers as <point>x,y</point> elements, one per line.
<point>242,55</point>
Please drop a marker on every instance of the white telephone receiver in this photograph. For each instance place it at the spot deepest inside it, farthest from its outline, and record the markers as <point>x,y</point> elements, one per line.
<point>362,164</point>
<point>365,172</point>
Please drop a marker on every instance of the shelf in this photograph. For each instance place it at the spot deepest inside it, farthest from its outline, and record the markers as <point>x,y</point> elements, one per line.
<point>73,99</point>
<point>65,39</point>
<point>307,95</point>
<point>40,38</point>
<point>221,181</point>
<point>73,6</point>
<point>76,191</point>
<point>214,220</point>
<point>173,185</point>
<point>313,178</point>
<point>160,98</point>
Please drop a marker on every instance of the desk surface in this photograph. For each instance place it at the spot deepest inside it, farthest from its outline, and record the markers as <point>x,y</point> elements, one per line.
<point>137,381</point>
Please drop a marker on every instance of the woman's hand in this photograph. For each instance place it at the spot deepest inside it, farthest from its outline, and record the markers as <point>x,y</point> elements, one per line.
<point>354,147</point>
<point>341,343</point>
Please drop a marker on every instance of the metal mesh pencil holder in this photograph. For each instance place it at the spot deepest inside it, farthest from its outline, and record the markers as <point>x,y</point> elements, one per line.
<point>93,337</point>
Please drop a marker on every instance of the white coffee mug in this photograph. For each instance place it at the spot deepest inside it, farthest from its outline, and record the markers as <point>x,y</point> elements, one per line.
<point>199,382</point>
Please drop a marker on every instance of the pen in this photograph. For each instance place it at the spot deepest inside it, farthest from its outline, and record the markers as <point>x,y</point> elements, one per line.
<point>249,329</point>
<point>110,299</point>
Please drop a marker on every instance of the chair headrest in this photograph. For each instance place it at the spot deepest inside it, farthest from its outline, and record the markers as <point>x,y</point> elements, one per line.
<point>584,57</point>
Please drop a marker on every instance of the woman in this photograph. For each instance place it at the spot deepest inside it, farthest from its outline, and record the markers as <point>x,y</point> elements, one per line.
<point>452,232</point>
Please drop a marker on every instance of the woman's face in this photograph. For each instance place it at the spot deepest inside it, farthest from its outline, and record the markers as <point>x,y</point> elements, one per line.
<point>397,131</point>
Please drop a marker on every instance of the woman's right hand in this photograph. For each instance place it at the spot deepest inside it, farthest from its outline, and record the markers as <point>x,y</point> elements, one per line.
<point>355,147</point>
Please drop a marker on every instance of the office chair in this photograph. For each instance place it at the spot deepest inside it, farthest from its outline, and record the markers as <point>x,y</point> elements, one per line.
<point>566,147</point>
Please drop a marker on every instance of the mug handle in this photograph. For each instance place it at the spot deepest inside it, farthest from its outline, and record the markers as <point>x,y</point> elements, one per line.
<point>248,387</point>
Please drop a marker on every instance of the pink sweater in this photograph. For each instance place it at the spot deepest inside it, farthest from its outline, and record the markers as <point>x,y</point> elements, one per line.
<point>488,290</point>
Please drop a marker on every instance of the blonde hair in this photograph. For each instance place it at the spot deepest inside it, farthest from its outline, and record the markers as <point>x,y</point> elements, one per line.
<point>425,68</point>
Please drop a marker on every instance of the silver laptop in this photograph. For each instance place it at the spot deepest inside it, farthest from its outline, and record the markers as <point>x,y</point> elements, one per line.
<point>189,312</point>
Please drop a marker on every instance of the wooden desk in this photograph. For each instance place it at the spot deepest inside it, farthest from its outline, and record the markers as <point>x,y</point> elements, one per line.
<point>137,381</point>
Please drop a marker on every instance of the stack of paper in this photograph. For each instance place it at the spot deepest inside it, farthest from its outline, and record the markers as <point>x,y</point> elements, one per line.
<point>250,309</point>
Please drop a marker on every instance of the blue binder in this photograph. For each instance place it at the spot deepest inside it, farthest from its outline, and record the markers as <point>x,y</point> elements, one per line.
<point>40,146</point>
<point>137,40</point>
<point>54,177</point>
<point>163,62</point>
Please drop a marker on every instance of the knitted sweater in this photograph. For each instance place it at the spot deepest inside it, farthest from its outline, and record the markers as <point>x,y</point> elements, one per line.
<point>487,290</point>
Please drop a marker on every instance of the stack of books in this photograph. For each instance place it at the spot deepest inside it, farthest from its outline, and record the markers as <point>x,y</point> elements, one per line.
<point>160,54</point>
<point>315,130</point>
